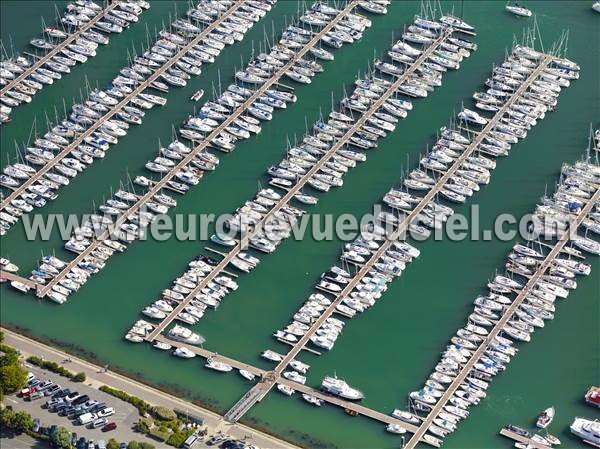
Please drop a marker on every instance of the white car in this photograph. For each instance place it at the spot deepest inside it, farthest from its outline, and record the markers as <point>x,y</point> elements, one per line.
<point>106,412</point>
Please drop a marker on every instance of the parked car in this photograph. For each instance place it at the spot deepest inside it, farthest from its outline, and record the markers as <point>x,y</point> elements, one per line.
<point>101,444</point>
<point>191,441</point>
<point>36,395</point>
<point>25,392</point>
<point>61,393</point>
<point>74,439</point>
<point>36,425</point>
<point>90,404</point>
<point>81,399</point>
<point>53,389</point>
<point>33,382</point>
<point>105,413</point>
<point>98,407</point>
<point>91,444</point>
<point>30,377</point>
<point>110,426</point>
<point>71,396</point>
<point>45,385</point>
<point>100,422</point>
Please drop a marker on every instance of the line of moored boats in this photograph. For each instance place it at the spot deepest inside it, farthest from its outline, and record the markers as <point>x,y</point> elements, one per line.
<point>91,113</point>
<point>77,15</point>
<point>536,306</point>
<point>300,159</point>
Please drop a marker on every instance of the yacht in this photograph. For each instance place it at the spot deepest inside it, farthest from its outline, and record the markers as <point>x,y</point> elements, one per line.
<point>6,265</point>
<point>271,355</point>
<point>247,375</point>
<point>218,366</point>
<point>395,428</point>
<point>184,353</point>
<point>339,387</point>
<point>405,416</point>
<point>162,346</point>
<point>312,400</point>
<point>288,391</point>
<point>587,430</point>
<point>185,335</point>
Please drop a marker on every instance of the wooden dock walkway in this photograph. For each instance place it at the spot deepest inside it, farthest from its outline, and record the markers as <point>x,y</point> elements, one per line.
<point>497,329</point>
<point>267,378</point>
<point>186,160</point>
<point>212,355</point>
<point>403,226</point>
<point>6,276</point>
<point>299,185</point>
<point>521,439</point>
<point>66,151</point>
<point>61,46</point>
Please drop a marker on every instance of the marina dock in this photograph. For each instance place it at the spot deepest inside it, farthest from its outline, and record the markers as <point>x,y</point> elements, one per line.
<point>299,185</point>
<point>66,151</point>
<point>61,46</point>
<point>499,326</point>
<point>521,439</point>
<point>6,276</point>
<point>154,189</point>
<point>403,226</point>
<point>268,378</point>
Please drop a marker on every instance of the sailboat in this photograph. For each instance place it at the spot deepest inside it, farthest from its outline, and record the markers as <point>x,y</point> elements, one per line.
<point>518,10</point>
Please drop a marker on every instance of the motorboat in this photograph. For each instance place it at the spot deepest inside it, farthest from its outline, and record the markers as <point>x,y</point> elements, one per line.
<point>545,418</point>
<point>587,430</point>
<point>312,399</point>
<point>339,387</point>
<point>218,366</point>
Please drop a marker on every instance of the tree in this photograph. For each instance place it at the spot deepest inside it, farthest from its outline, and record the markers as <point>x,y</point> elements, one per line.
<point>144,445</point>
<point>133,445</point>
<point>12,378</point>
<point>7,418</point>
<point>112,444</point>
<point>79,377</point>
<point>61,437</point>
<point>23,422</point>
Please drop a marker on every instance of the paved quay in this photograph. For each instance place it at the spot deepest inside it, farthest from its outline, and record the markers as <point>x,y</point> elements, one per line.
<point>96,378</point>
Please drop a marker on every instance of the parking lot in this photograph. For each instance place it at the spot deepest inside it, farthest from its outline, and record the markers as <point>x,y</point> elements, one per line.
<point>125,416</point>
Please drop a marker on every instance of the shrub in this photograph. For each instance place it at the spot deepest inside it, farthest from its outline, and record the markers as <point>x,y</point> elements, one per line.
<point>50,366</point>
<point>133,445</point>
<point>178,438</point>
<point>79,377</point>
<point>142,406</point>
<point>143,425</point>
<point>145,445</point>
<point>159,434</point>
<point>61,438</point>
<point>163,413</point>
<point>112,444</point>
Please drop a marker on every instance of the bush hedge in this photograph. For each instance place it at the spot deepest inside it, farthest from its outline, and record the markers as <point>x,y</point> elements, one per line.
<point>51,366</point>
<point>163,413</point>
<point>142,406</point>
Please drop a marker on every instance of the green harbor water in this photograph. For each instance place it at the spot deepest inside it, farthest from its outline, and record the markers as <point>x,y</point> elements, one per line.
<point>386,352</point>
